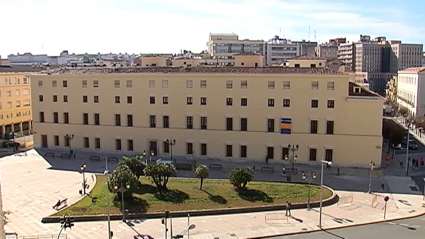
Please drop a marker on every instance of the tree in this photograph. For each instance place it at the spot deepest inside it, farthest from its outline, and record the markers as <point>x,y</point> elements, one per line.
<point>160,173</point>
<point>202,173</point>
<point>123,176</point>
<point>239,177</point>
<point>135,164</point>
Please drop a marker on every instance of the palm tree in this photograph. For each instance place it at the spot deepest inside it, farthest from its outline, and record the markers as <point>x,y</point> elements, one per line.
<point>201,172</point>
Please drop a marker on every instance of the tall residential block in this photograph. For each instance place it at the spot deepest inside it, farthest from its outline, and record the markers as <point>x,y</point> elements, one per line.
<point>225,45</point>
<point>411,90</point>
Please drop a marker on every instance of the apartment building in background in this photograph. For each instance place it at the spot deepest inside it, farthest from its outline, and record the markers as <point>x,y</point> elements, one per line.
<point>423,60</point>
<point>411,90</point>
<point>240,112</point>
<point>225,45</point>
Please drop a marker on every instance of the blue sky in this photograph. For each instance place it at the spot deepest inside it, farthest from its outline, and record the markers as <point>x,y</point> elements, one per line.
<point>150,26</point>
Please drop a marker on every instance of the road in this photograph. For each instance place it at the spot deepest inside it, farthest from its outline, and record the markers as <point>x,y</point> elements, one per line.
<point>409,228</point>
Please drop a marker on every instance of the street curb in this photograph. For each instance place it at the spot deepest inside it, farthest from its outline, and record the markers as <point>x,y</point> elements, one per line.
<point>337,227</point>
<point>210,212</point>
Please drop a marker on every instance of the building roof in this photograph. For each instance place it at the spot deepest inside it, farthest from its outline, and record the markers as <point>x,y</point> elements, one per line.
<point>19,68</point>
<point>363,91</point>
<point>223,34</point>
<point>414,69</point>
<point>247,54</point>
<point>194,70</point>
<point>307,57</point>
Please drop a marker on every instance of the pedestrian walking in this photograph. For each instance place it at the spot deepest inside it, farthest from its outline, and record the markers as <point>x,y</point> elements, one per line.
<point>288,209</point>
<point>267,159</point>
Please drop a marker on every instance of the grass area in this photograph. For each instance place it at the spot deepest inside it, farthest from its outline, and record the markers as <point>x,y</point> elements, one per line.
<point>184,194</point>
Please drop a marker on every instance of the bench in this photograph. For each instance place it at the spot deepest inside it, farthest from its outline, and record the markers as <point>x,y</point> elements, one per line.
<point>215,166</point>
<point>94,158</point>
<point>66,156</point>
<point>49,154</point>
<point>60,203</point>
<point>112,159</point>
<point>267,168</point>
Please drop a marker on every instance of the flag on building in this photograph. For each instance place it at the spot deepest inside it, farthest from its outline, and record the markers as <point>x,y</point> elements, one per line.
<point>285,125</point>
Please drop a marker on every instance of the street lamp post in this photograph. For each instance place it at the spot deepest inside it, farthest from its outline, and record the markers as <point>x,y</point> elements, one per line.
<point>122,190</point>
<point>293,148</point>
<point>70,137</point>
<point>372,166</point>
<point>408,122</point>
<point>309,178</point>
<point>107,197</point>
<point>171,143</point>
<point>83,169</point>
<point>323,162</point>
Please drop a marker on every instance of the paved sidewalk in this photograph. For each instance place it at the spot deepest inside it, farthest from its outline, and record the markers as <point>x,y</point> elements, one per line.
<point>30,189</point>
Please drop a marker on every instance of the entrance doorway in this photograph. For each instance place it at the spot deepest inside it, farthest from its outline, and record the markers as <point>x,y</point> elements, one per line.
<point>153,147</point>
<point>44,143</point>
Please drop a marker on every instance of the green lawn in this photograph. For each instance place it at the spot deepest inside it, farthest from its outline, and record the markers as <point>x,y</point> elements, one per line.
<point>184,194</point>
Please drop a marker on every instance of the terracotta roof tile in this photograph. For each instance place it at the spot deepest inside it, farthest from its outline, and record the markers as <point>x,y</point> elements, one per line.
<point>363,91</point>
<point>414,69</point>
<point>196,70</point>
<point>307,57</point>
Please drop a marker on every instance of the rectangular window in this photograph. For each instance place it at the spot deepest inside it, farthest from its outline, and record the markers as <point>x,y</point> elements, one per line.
<point>65,83</point>
<point>203,122</point>
<point>243,151</point>
<point>229,101</point>
<point>96,99</point>
<point>244,102</point>
<point>152,121</point>
<point>329,155</point>
<point>86,142</point>
<point>152,100</point>
<point>270,125</point>
<point>18,103</point>
<point>244,84</point>
<point>56,140</point>
<point>117,100</point>
<point>314,103</point>
<point>164,83</point>
<point>130,146</point>
<point>229,123</point>
<point>203,100</point>
<point>118,144</point>
<point>8,93</point>
<point>286,103</point>
<point>17,92</point>
<point>203,149</point>
<point>331,104</point>
<point>55,98</point>
<point>85,118</point>
<point>270,152</point>
<point>189,148</point>
<point>96,119</point>
<point>129,120</point>
<point>40,98</point>
<point>129,83</point>
<point>244,124</point>
<point>229,151</point>
<point>313,126</point>
<point>203,83</point>
<point>189,100</point>
<point>55,117</point>
<point>95,83</point>
<point>129,100</point>
<point>166,121</point>
<point>270,102</point>
<point>41,117</point>
<point>314,85</point>
<point>65,98</point>
<point>270,85</point>
<point>285,153</point>
<point>117,120</point>
<point>331,85</point>
<point>40,83</point>
<point>151,83</point>
<point>85,99</point>
<point>166,147</point>
<point>229,84</point>
<point>189,83</point>
<point>97,143</point>
<point>189,122</point>
<point>54,83</point>
<point>165,100</point>
<point>117,83</point>
<point>329,127</point>
<point>66,118</point>
<point>84,83</point>
<point>313,155</point>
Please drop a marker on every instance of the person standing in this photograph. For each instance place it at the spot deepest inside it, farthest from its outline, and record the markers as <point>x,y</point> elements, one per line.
<point>288,209</point>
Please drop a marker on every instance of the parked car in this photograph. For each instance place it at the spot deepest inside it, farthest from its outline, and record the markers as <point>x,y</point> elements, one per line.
<point>10,144</point>
<point>413,145</point>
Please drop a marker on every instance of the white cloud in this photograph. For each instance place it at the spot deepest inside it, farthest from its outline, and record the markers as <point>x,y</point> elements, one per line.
<point>136,26</point>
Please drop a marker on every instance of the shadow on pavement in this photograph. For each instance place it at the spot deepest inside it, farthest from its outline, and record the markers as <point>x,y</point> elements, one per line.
<point>335,219</point>
<point>333,234</point>
<point>215,198</point>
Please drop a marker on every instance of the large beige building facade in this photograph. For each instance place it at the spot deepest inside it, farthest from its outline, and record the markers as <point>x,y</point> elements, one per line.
<point>221,112</point>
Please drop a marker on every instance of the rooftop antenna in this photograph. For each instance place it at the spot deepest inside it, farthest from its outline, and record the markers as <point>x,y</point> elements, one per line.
<point>308,31</point>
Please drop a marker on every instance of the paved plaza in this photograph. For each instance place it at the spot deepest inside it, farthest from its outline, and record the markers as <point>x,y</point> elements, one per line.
<point>31,185</point>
